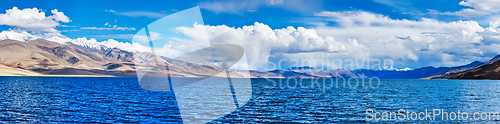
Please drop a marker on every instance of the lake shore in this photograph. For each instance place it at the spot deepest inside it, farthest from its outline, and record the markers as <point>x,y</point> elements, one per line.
<point>11,71</point>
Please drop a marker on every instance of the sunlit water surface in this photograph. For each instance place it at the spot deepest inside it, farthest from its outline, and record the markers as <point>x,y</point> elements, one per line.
<point>121,100</point>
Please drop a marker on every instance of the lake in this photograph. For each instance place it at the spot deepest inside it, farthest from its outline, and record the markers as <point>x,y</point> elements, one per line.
<point>122,100</point>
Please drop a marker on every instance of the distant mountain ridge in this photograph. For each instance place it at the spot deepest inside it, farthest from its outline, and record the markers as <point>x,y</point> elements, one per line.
<point>51,58</point>
<point>488,70</point>
<point>485,70</point>
<point>413,74</point>
<point>46,57</point>
<point>300,68</point>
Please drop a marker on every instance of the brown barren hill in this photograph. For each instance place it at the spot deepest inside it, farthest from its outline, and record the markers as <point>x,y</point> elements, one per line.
<point>51,58</point>
<point>488,71</point>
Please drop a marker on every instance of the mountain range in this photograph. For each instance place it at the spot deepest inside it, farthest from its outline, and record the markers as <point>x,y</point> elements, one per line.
<point>42,57</point>
<point>488,70</point>
<point>418,73</point>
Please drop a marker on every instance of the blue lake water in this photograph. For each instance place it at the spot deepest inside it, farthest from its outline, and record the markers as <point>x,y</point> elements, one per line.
<point>122,100</point>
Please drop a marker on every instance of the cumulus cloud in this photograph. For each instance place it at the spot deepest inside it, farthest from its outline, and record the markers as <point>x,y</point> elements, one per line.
<point>260,41</point>
<point>359,36</point>
<point>32,23</point>
<point>33,19</point>
<point>19,36</point>
<point>59,16</point>
<point>477,8</point>
<point>408,42</point>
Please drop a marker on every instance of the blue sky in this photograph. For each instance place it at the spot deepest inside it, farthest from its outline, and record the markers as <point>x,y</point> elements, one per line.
<point>413,33</point>
<point>93,13</point>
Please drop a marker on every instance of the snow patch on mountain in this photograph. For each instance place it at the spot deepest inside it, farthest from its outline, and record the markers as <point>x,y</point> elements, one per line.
<point>92,42</point>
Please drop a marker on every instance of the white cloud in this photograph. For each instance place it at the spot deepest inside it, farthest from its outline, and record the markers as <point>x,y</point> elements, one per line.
<point>113,36</point>
<point>20,36</point>
<point>42,26</point>
<point>409,42</point>
<point>139,38</point>
<point>139,14</point>
<point>110,43</point>
<point>260,41</point>
<point>69,30</point>
<point>359,35</point>
<point>153,35</point>
<point>33,19</point>
<point>477,8</point>
<point>66,26</point>
<point>59,16</point>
